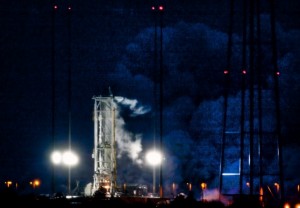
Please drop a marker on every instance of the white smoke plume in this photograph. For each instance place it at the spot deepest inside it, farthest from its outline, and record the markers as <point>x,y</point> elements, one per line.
<point>133,105</point>
<point>127,142</point>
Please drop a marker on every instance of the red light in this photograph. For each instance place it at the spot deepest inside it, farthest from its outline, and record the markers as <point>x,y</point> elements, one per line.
<point>55,7</point>
<point>226,72</point>
<point>153,8</point>
<point>69,8</point>
<point>244,72</point>
<point>277,73</point>
<point>161,8</point>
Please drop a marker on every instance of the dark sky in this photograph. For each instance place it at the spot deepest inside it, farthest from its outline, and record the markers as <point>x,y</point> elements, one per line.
<point>110,44</point>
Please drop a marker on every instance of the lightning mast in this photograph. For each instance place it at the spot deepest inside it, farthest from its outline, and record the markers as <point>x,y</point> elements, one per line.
<point>104,152</point>
<point>251,157</point>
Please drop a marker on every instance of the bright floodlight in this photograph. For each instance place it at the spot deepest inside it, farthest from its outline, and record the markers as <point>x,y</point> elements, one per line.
<point>69,158</point>
<point>56,157</point>
<point>154,158</point>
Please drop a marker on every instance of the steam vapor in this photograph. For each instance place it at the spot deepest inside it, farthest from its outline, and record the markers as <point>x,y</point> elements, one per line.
<point>127,142</point>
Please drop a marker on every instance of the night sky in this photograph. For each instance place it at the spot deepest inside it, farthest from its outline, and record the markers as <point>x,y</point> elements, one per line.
<point>109,44</point>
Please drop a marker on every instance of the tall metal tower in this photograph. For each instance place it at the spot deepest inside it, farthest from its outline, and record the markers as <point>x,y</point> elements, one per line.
<point>104,152</point>
<point>158,11</point>
<point>251,158</point>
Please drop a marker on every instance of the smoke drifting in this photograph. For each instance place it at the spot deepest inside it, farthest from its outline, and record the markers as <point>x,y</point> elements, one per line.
<point>133,105</point>
<point>193,86</point>
<point>214,195</point>
<point>127,142</point>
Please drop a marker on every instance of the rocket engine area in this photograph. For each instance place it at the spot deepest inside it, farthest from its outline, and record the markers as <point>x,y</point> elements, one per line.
<point>104,152</point>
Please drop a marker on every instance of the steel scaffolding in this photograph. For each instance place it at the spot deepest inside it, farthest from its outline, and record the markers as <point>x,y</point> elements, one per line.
<point>104,152</point>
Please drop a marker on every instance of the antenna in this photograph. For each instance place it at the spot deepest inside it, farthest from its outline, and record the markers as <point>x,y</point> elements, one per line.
<point>110,92</point>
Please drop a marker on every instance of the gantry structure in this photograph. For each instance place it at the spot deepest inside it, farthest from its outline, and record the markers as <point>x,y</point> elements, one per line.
<point>104,152</point>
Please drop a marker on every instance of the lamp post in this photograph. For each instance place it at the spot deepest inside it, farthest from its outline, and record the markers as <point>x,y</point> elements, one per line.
<point>35,183</point>
<point>203,187</point>
<point>67,158</point>
<point>154,158</point>
<point>277,187</point>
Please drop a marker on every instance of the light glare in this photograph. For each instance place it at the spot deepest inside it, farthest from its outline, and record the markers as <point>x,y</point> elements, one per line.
<point>69,158</point>
<point>56,158</point>
<point>154,158</point>
<point>286,205</point>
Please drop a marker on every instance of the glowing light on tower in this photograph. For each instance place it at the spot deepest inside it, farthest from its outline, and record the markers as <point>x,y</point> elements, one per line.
<point>154,158</point>
<point>67,158</point>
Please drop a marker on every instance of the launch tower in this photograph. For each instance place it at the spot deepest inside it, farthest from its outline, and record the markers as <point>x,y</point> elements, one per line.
<point>104,152</point>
